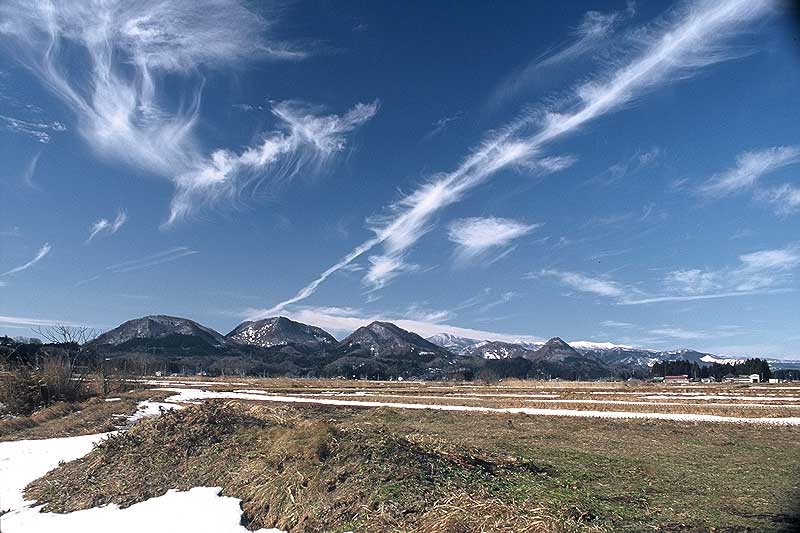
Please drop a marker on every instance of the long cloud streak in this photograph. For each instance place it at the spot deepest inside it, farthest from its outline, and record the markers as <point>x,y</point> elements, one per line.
<point>151,260</point>
<point>43,251</point>
<point>674,51</point>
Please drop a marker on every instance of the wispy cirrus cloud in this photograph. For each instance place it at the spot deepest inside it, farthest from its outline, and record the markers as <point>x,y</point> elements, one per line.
<point>440,125</point>
<point>757,273</point>
<point>628,166</point>
<point>785,198</point>
<point>37,129</point>
<point>30,171</point>
<point>749,168</point>
<point>152,260</point>
<point>476,236</point>
<point>667,333</point>
<point>616,324</point>
<point>106,227</point>
<point>692,281</point>
<point>504,298</point>
<point>421,313</point>
<point>41,254</point>
<point>678,333</point>
<point>18,321</point>
<point>126,51</point>
<point>308,140</point>
<point>593,32</point>
<point>583,283</point>
<point>693,38</point>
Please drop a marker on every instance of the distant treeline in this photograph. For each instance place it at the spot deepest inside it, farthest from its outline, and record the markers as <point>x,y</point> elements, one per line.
<point>714,370</point>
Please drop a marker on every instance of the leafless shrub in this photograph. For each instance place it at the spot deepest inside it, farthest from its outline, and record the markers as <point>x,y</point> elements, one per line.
<point>61,334</point>
<point>20,391</point>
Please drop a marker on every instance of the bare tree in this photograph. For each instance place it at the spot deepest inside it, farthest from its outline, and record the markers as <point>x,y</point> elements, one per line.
<point>61,334</point>
<point>60,368</point>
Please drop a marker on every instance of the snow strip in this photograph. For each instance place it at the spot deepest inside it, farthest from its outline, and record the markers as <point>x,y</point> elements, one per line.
<point>113,399</point>
<point>467,396</point>
<point>666,396</point>
<point>147,409</point>
<point>464,395</point>
<point>533,398</point>
<point>198,510</point>
<point>190,395</point>
<point>22,461</point>
<point>189,383</point>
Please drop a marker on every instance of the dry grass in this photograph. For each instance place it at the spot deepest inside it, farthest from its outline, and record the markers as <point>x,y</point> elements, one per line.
<point>321,468</point>
<point>71,419</point>
<point>305,472</point>
<point>677,406</point>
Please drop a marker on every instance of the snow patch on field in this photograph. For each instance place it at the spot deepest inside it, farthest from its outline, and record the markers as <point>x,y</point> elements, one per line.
<point>193,395</point>
<point>147,409</point>
<point>199,510</point>
<point>22,461</point>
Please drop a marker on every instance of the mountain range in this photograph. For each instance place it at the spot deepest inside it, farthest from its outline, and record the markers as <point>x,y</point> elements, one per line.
<point>281,346</point>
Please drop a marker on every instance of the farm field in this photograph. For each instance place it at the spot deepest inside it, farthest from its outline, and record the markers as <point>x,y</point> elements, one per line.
<point>517,456</point>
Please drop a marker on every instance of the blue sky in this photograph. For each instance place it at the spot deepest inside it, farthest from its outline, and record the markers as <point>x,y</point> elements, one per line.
<point>623,172</point>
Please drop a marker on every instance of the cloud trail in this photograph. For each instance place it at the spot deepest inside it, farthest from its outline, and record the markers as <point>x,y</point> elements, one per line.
<point>152,260</point>
<point>41,254</point>
<point>672,51</point>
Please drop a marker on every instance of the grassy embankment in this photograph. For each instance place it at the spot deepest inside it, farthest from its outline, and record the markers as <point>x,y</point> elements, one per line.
<point>315,468</point>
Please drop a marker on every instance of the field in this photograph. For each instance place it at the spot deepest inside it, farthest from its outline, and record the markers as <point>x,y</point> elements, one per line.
<point>401,456</point>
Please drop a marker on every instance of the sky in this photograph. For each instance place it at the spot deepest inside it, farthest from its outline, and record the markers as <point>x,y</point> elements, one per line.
<point>623,172</point>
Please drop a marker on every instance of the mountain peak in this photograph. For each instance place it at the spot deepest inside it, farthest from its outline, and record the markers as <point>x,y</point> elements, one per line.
<point>557,342</point>
<point>555,349</point>
<point>159,326</point>
<point>384,339</point>
<point>280,331</point>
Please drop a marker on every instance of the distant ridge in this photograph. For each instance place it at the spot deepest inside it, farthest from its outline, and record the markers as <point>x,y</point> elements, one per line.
<point>281,346</point>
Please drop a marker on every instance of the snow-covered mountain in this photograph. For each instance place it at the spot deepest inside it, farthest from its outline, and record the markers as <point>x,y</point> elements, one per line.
<point>555,350</point>
<point>160,327</point>
<point>453,343</point>
<point>558,358</point>
<point>281,331</point>
<point>386,340</point>
<point>721,360</point>
<point>619,355</point>
<point>495,350</point>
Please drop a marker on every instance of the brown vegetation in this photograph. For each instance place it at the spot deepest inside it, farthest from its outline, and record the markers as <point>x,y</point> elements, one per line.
<point>305,473</point>
<point>71,419</point>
